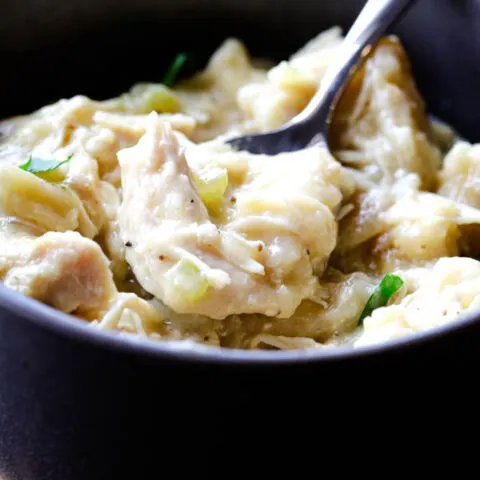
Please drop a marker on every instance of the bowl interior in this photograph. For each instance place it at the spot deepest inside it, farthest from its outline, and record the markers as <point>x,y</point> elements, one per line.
<point>51,49</point>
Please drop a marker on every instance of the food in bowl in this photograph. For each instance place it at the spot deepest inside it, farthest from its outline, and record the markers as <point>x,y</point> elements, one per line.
<point>135,215</point>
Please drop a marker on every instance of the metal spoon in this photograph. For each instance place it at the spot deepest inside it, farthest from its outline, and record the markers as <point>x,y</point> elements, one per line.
<point>311,126</point>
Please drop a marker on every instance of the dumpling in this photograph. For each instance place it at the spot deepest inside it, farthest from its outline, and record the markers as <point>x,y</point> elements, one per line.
<point>257,251</point>
<point>460,175</point>
<point>380,126</point>
<point>434,297</point>
<point>61,269</point>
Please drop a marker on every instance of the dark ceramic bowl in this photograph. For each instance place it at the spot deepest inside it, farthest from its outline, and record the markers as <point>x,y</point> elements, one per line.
<point>80,404</point>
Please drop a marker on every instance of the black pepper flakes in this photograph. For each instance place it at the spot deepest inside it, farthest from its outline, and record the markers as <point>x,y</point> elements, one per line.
<point>192,200</point>
<point>128,244</point>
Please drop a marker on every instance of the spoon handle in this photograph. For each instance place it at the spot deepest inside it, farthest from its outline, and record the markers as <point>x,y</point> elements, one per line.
<point>375,18</point>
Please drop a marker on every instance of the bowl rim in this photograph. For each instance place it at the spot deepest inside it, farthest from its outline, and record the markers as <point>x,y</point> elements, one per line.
<point>55,321</point>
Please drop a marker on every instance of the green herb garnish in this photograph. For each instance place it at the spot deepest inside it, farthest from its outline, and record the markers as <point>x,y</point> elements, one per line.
<point>381,295</point>
<point>172,73</point>
<point>40,165</point>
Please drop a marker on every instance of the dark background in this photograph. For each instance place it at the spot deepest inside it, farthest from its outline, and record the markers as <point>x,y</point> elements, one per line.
<point>54,48</point>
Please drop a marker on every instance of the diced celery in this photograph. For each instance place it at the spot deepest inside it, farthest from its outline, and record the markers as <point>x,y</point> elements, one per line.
<point>145,98</point>
<point>52,176</point>
<point>211,185</point>
<point>186,280</point>
<point>286,76</point>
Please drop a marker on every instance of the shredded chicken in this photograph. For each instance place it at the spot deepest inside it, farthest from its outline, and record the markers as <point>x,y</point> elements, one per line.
<point>149,224</point>
<point>61,269</point>
<point>260,259</point>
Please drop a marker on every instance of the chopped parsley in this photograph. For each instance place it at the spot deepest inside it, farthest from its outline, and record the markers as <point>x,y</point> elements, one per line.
<point>381,295</point>
<point>172,73</point>
<point>40,165</point>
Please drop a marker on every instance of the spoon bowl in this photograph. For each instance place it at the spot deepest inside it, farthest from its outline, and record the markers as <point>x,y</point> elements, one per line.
<point>311,126</point>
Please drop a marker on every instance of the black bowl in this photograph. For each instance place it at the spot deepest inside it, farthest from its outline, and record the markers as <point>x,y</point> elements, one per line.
<point>75,403</point>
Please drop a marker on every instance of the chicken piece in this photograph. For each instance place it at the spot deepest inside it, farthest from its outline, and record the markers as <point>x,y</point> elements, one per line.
<point>460,175</point>
<point>50,207</point>
<point>359,229</point>
<point>380,126</point>
<point>133,126</point>
<point>45,130</point>
<point>82,178</point>
<point>131,314</point>
<point>400,227</point>
<point>424,226</point>
<point>64,270</point>
<point>435,296</point>
<point>274,230</point>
